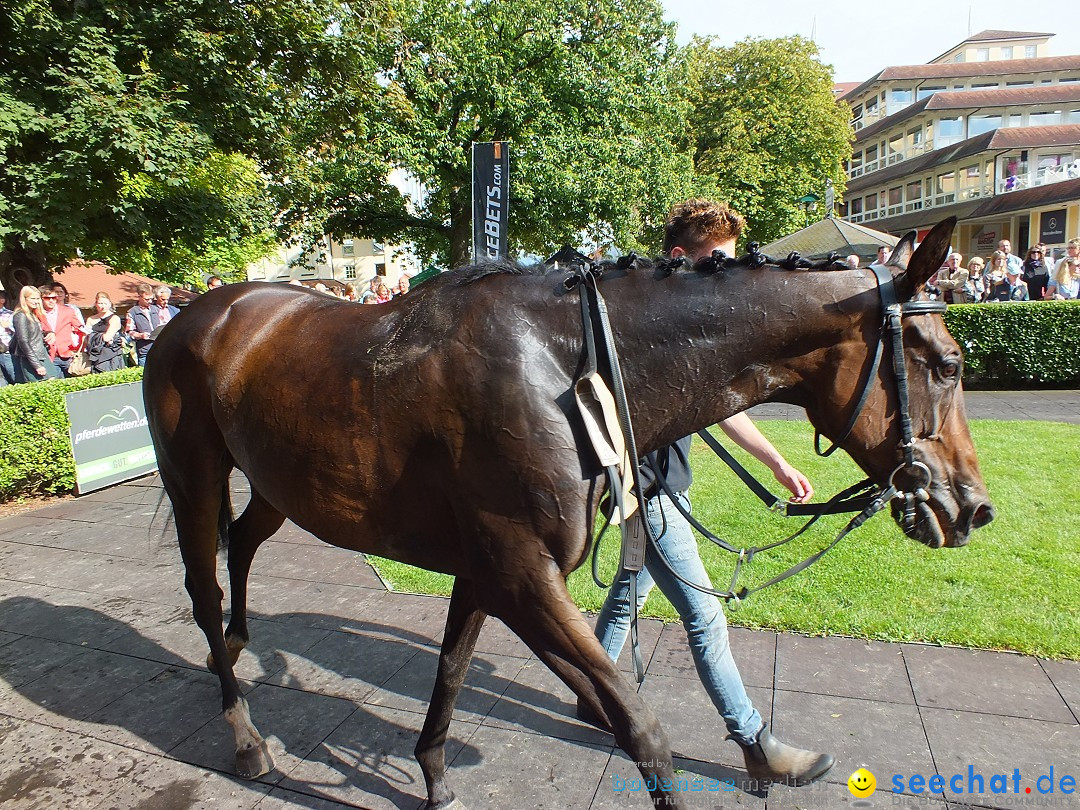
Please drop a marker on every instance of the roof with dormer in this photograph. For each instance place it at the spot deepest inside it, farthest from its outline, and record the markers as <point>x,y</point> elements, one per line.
<point>996,35</point>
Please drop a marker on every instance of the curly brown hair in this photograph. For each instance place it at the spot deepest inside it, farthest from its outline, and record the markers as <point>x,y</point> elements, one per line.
<point>696,223</point>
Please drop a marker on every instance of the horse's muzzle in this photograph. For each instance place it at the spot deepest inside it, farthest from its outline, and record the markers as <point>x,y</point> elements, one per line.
<point>935,526</point>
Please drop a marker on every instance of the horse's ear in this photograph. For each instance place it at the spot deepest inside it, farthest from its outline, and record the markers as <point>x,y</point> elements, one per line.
<point>925,261</point>
<point>901,254</point>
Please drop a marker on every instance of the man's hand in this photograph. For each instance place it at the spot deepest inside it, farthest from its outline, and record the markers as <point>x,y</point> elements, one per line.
<point>795,482</point>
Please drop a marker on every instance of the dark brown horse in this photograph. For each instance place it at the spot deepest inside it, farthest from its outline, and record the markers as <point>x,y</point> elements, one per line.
<point>340,414</point>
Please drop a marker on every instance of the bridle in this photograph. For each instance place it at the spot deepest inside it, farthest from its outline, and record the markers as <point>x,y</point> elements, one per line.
<point>865,497</point>
<point>892,334</point>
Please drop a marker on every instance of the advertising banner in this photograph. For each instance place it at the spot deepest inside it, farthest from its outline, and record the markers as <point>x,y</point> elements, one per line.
<point>109,437</point>
<point>1052,227</point>
<point>491,199</point>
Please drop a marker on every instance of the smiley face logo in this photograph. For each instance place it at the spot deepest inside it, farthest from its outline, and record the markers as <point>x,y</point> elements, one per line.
<point>862,784</point>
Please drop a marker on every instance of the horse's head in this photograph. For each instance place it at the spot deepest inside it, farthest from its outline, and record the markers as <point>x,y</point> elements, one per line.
<point>942,470</point>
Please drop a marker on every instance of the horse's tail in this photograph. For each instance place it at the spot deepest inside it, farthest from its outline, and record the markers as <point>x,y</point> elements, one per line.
<point>225,517</point>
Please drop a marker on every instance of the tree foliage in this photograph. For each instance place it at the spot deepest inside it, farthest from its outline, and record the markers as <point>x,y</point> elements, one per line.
<point>146,132</point>
<point>583,92</point>
<point>766,129</point>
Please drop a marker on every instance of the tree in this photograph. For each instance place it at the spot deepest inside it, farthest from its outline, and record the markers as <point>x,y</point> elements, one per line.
<point>157,132</point>
<point>767,129</point>
<point>584,92</point>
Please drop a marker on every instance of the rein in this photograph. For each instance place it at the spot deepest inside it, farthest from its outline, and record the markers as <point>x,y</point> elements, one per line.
<point>863,497</point>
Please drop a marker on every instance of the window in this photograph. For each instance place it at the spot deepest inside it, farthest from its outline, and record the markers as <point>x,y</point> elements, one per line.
<point>856,160</point>
<point>870,158</point>
<point>896,195</point>
<point>380,269</point>
<point>950,127</point>
<point>978,124</point>
<point>923,92</point>
<point>900,95</point>
<point>1006,52</point>
<point>856,206</point>
<point>982,54</point>
<point>871,202</point>
<point>971,174</point>
<point>915,138</point>
<point>871,107</point>
<point>1030,51</point>
<point>347,247</point>
<point>946,183</point>
<point>1020,84</point>
<point>913,193</point>
<point>1073,117</point>
<point>350,271</point>
<point>959,57</point>
<point>896,148</point>
<point>1044,119</point>
<point>1014,120</point>
<point>984,86</point>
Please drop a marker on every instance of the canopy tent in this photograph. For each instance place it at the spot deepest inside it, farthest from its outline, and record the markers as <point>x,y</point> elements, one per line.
<point>832,235</point>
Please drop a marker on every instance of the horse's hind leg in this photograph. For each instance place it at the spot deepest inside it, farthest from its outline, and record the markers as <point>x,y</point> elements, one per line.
<point>546,618</point>
<point>197,499</point>
<point>463,622</point>
<point>258,522</point>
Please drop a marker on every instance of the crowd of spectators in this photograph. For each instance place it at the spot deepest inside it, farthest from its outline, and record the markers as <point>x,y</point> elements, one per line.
<point>1004,276</point>
<point>44,336</point>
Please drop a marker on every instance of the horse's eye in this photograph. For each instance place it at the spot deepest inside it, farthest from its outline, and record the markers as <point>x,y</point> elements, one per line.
<point>950,368</point>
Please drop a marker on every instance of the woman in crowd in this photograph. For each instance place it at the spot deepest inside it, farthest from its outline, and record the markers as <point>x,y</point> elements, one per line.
<point>29,352</point>
<point>995,273</point>
<point>1065,285</point>
<point>382,293</point>
<point>973,289</point>
<point>350,292</point>
<point>1035,273</point>
<point>105,342</point>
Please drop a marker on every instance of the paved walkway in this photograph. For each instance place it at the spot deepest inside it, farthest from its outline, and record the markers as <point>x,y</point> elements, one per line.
<point>105,701</point>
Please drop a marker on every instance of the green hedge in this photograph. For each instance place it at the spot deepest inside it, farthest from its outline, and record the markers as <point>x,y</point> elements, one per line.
<point>35,448</point>
<point>1018,344</point>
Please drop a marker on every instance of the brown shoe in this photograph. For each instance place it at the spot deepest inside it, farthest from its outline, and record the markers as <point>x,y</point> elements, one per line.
<point>768,758</point>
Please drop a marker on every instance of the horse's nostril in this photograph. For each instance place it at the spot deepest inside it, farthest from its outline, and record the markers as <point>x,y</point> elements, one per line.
<point>983,515</point>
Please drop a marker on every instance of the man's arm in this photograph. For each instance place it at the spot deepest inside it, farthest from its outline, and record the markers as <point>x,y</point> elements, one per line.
<point>744,433</point>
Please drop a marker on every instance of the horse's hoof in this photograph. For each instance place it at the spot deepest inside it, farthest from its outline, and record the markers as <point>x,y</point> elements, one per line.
<point>454,804</point>
<point>253,762</point>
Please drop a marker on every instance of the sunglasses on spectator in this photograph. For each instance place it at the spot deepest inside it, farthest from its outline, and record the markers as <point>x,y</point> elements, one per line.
<point>48,298</point>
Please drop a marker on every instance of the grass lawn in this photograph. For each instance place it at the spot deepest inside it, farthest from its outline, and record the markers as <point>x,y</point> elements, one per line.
<point>1016,586</point>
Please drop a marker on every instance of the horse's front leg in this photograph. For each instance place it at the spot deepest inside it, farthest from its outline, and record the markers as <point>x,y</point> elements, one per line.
<point>463,623</point>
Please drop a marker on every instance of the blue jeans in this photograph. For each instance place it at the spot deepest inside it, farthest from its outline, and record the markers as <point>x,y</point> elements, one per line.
<point>702,615</point>
<point>7,369</point>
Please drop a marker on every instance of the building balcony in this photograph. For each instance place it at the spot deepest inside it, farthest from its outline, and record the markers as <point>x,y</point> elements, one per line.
<point>1039,177</point>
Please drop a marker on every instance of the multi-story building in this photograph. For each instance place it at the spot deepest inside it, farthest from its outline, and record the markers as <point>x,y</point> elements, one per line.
<point>338,260</point>
<point>989,132</point>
